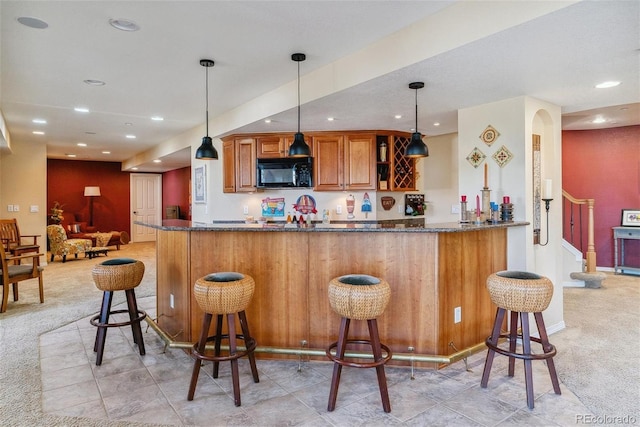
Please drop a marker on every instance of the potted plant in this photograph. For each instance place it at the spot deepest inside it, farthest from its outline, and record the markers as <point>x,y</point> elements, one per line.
<point>56,213</point>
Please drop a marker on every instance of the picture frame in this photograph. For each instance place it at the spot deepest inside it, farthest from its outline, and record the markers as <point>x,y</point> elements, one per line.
<point>630,218</point>
<point>200,184</point>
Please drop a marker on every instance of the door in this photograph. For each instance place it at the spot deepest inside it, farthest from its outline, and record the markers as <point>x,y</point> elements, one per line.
<point>146,205</point>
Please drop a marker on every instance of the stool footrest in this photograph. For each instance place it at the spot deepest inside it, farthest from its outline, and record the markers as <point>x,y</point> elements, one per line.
<point>373,364</point>
<point>141,316</point>
<point>250,346</point>
<point>521,356</point>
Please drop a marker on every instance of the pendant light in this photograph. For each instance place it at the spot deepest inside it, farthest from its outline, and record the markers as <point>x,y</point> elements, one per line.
<point>207,151</point>
<point>299,148</point>
<point>416,148</point>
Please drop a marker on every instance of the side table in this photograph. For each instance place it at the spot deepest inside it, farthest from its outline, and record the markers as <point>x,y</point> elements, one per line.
<point>620,234</point>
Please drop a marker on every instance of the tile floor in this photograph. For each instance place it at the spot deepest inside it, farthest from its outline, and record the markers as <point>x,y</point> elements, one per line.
<point>153,389</point>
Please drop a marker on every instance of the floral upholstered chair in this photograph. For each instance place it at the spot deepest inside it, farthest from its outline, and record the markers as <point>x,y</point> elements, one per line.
<point>60,245</point>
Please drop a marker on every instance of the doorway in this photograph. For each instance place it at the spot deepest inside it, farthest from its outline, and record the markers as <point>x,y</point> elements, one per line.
<point>146,205</point>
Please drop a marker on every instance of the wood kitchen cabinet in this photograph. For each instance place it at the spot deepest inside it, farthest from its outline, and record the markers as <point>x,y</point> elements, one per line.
<point>395,172</point>
<point>239,164</point>
<point>344,161</point>
<point>276,146</point>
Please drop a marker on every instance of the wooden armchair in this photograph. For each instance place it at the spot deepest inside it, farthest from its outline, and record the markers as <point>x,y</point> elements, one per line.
<point>60,245</point>
<point>12,273</point>
<point>12,240</point>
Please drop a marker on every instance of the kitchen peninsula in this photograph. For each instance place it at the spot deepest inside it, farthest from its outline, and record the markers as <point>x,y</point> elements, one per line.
<point>432,269</point>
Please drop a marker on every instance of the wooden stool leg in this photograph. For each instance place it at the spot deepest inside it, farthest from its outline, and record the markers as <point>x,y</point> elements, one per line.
<point>495,336</point>
<point>337,368</point>
<point>247,337</point>
<point>231,324</point>
<point>101,334</point>
<point>377,354</point>
<point>526,349</point>
<point>15,291</point>
<point>136,329</point>
<point>513,340</point>
<point>217,340</point>
<point>546,347</point>
<point>206,322</point>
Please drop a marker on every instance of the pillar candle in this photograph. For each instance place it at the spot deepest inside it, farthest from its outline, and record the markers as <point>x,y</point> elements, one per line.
<point>548,189</point>
<point>478,206</point>
<point>486,167</point>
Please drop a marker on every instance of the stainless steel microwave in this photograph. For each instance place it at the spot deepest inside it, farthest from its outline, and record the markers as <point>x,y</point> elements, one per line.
<point>285,172</point>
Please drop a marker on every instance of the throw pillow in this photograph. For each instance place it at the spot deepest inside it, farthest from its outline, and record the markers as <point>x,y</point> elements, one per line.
<point>74,228</point>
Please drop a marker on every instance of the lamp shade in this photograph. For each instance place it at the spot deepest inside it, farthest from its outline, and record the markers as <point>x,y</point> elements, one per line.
<point>91,191</point>
<point>299,148</point>
<point>416,147</point>
<point>206,151</point>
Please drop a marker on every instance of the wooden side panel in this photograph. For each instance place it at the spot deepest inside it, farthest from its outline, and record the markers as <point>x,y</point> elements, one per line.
<point>229,167</point>
<point>172,268</point>
<point>405,260</point>
<point>278,313</point>
<point>465,262</point>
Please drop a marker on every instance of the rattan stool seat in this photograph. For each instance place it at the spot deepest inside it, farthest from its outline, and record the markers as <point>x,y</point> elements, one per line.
<point>359,297</point>
<point>118,274</point>
<point>224,294</point>
<point>521,293</point>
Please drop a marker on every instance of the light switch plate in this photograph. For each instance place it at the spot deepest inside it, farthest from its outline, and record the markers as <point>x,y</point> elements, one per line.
<point>9,208</point>
<point>34,208</point>
<point>16,208</point>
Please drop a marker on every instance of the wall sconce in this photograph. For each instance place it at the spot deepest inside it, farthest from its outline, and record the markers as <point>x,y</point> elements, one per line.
<point>547,198</point>
<point>91,192</point>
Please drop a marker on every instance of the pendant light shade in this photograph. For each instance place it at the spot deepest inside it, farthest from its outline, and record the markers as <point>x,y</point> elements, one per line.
<point>299,148</point>
<point>416,147</point>
<point>207,151</point>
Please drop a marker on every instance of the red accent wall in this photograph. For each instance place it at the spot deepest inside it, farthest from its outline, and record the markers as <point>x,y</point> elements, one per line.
<point>175,191</point>
<point>66,180</point>
<point>604,165</point>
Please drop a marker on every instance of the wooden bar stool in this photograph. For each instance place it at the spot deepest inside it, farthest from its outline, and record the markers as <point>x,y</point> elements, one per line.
<point>521,293</point>
<point>360,297</point>
<point>221,294</point>
<point>119,274</point>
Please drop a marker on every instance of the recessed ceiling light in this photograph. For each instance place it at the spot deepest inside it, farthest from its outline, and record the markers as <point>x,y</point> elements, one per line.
<point>157,118</point>
<point>606,85</point>
<point>39,121</point>
<point>92,82</point>
<point>70,155</point>
<point>157,161</point>
<point>267,120</point>
<point>31,22</point>
<point>81,110</point>
<point>330,119</point>
<point>134,169</point>
<point>436,124</point>
<point>81,144</point>
<point>130,136</point>
<point>598,120</point>
<point>124,24</point>
<point>106,152</point>
<point>397,116</point>
<point>38,132</point>
<point>128,124</point>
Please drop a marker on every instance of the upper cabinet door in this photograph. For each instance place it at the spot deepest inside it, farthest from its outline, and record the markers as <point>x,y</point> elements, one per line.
<point>360,162</point>
<point>269,147</point>
<point>328,162</point>
<point>245,164</point>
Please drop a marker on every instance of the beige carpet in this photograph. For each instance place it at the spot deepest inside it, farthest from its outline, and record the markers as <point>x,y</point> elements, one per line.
<point>598,353</point>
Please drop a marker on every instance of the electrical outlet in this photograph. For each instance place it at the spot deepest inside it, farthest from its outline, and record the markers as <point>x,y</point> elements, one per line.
<point>339,209</point>
<point>9,208</point>
<point>171,301</point>
<point>400,209</point>
<point>245,210</point>
<point>455,209</point>
<point>457,315</point>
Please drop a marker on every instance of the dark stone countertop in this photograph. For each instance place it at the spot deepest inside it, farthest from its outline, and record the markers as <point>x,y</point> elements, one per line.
<point>410,226</point>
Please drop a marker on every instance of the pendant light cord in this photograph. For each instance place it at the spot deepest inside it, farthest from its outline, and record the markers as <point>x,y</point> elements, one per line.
<point>207,97</point>
<point>416,110</point>
<point>298,96</point>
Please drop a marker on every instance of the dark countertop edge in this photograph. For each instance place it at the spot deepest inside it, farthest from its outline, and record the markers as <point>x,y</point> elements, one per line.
<point>448,227</point>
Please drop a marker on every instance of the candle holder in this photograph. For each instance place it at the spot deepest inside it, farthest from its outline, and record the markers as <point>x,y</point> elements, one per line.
<point>486,202</point>
<point>547,202</point>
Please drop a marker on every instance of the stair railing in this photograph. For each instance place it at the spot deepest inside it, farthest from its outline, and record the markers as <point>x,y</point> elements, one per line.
<point>569,217</point>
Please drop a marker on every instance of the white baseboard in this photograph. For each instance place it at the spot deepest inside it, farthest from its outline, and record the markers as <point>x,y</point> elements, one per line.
<point>573,284</point>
